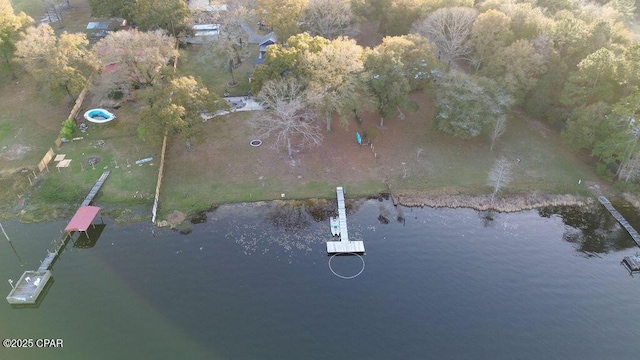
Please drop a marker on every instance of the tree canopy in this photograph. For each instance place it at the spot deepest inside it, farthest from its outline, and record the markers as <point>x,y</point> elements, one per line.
<point>175,107</point>
<point>385,82</point>
<point>135,57</point>
<point>64,64</point>
<point>12,27</point>
<point>466,104</point>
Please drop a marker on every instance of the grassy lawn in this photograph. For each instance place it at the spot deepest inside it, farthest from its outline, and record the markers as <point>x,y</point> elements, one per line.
<point>118,148</point>
<point>198,61</point>
<point>407,155</point>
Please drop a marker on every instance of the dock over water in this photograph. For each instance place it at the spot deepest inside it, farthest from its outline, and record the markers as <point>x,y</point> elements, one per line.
<point>31,284</point>
<point>625,224</point>
<point>344,245</point>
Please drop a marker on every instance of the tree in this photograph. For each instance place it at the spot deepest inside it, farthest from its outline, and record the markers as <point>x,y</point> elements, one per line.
<point>175,107</point>
<point>329,18</point>
<point>516,68</point>
<point>498,127</point>
<point>136,57</point>
<point>588,126</point>
<point>169,15</point>
<point>65,64</point>
<point>287,60</point>
<point>232,45</point>
<point>499,176</point>
<point>12,27</point>
<point>289,114</point>
<point>490,32</point>
<point>334,75</point>
<point>625,113</point>
<point>385,80</point>
<point>466,103</point>
<point>282,15</point>
<point>570,38</point>
<point>417,56</point>
<point>594,80</point>
<point>449,30</point>
<point>527,21</point>
<point>628,72</point>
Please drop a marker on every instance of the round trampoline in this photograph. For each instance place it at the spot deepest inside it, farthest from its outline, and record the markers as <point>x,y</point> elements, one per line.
<point>99,116</point>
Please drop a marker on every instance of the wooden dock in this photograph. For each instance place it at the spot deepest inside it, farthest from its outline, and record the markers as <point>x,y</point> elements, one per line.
<point>31,283</point>
<point>632,263</point>
<point>29,287</point>
<point>625,224</point>
<point>344,245</point>
<point>96,187</point>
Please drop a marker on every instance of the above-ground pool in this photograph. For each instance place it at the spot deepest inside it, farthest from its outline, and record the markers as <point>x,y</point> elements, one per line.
<point>99,116</point>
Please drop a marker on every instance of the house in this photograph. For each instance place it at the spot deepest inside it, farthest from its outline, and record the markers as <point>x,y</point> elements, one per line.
<point>203,33</point>
<point>264,43</point>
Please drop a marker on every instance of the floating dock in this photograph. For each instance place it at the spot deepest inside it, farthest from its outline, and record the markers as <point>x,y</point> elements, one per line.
<point>31,283</point>
<point>632,263</point>
<point>625,224</point>
<point>344,246</point>
<point>29,287</point>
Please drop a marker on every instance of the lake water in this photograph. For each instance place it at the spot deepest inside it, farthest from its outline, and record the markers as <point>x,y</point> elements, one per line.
<point>253,282</point>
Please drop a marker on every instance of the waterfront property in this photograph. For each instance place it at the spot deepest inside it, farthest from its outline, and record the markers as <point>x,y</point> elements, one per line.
<point>344,246</point>
<point>31,283</point>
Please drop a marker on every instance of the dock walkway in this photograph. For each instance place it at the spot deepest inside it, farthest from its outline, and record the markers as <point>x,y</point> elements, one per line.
<point>31,283</point>
<point>344,245</point>
<point>87,201</point>
<point>625,224</point>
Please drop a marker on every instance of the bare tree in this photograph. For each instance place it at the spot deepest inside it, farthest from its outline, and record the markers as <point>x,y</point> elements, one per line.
<point>329,18</point>
<point>449,30</point>
<point>499,176</point>
<point>289,114</point>
<point>498,128</point>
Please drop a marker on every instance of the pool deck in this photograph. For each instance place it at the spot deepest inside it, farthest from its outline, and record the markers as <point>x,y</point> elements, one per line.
<point>344,246</point>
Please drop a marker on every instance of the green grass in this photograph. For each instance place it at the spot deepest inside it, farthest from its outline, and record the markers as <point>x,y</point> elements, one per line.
<point>196,60</point>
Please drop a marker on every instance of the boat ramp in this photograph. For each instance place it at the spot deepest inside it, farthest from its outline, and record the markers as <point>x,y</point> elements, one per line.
<point>339,228</point>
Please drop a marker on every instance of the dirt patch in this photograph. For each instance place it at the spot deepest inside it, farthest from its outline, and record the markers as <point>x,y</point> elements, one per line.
<point>176,218</point>
<point>14,152</point>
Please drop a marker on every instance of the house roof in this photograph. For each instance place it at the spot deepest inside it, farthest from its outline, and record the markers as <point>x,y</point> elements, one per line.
<point>82,219</point>
<point>268,39</point>
<point>101,25</point>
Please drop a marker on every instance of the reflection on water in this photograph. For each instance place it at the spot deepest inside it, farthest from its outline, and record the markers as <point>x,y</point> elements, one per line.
<point>591,228</point>
<point>252,281</point>
<point>88,239</point>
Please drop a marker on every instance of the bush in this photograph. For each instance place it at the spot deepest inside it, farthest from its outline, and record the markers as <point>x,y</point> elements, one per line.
<point>69,128</point>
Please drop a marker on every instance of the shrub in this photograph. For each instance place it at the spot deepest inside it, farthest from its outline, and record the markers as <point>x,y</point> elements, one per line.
<point>69,128</point>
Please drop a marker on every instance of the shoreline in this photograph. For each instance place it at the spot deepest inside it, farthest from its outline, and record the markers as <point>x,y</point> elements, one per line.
<point>408,198</point>
<point>508,203</point>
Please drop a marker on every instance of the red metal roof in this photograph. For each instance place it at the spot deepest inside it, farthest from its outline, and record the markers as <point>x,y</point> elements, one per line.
<point>82,219</point>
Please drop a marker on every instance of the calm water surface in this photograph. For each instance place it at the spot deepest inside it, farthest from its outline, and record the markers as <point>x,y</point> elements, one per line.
<point>253,282</point>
